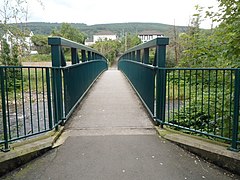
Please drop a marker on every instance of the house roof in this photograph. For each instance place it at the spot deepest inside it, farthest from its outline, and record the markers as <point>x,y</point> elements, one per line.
<point>150,33</point>
<point>105,33</point>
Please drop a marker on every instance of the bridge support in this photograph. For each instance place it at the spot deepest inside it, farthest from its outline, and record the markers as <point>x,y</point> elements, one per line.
<point>57,84</point>
<point>234,144</point>
<point>161,80</point>
<point>5,129</point>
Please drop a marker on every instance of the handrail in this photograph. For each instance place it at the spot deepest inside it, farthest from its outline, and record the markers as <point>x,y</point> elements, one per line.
<point>153,43</point>
<point>58,59</point>
<point>55,40</point>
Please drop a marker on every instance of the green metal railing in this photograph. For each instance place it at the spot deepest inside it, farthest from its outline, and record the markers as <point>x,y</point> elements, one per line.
<point>70,83</point>
<point>26,106</point>
<point>34,100</point>
<point>205,101</point>
<point>140,68</point>
<point>199,100</point>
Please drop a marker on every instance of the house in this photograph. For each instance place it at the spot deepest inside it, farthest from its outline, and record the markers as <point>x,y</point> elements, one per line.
<point>146,36</point>
<point>24,41</point>
<point>104,35</point>
<point>101,36</point>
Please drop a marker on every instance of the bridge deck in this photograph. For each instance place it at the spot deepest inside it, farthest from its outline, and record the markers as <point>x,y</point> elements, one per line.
<point>112,106</point>
<point>110,136</point>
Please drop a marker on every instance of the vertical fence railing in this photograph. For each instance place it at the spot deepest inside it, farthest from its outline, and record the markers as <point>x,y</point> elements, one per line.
<point>34,100</point>
<point>198,100</point>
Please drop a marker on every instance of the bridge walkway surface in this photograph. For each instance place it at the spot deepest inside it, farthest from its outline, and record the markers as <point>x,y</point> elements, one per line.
<point>111,137</point>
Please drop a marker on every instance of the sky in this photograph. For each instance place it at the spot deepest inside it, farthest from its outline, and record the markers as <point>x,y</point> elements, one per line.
<point>109,11</point>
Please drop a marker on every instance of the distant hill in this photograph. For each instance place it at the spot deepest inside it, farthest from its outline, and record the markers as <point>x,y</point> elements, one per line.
<point>118,28</point>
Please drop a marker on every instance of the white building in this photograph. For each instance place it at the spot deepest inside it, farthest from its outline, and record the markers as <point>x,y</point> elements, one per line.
<point>104,35</point>
<point>12,39</point>
<point>146,36</point>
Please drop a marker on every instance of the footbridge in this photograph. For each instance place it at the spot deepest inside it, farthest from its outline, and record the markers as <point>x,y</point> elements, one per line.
<point>109,122</point>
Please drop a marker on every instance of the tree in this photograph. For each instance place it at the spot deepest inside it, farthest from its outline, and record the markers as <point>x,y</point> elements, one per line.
<point>15,56</point>
<point>69,32</point>
<point>5,53</point>
<point>227,34</point>
<point>9,57</point>
<point>41,43</point>
<point>230,12</point>
<point>193,42</point>
<point>13,11</point>
<point>13,75</point>
<point>218,47</point>
<point>109,48</point>
<point>129,41</point>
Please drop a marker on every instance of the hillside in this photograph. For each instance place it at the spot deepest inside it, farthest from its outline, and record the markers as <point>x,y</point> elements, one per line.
<point>118,28</point>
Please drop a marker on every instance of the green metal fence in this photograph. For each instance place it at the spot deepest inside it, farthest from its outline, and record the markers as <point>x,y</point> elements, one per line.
<point>77,79</point>
<point>26,107</point>
<point>34,100</point>
<point>142,77</point>
<point>200,100</point>
<point>205,101</point>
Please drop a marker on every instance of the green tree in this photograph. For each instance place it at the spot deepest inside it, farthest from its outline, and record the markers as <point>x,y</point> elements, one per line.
<point>41,43</point>
<point>109,48</point>
<point>69,32</point>
<point>9,58</point>
<point>129,41</point>
<point>5,53</point>
<point>210,48</point>
<point>15,56</point>
<point>229,30</point>
<point>217,47</point>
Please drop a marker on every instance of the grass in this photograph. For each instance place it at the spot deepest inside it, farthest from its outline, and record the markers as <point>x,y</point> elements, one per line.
<point>37,58</point>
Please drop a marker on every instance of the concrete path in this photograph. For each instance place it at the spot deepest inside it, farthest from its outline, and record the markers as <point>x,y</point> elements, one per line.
<point>111,137</point>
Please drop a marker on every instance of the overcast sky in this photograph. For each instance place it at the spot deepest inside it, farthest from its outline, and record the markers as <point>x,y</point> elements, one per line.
<point>110,11</point>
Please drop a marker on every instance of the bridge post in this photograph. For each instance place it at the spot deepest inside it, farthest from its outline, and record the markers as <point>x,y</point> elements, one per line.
<point>58,60</point>
<point>161,79</point>
<point>234,145</point>
<point>4,117</point>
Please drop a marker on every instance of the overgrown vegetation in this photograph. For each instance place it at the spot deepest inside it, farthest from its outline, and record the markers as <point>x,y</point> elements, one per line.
<point>210,111</point>
<point>69,32</point>
<point>9,58</point>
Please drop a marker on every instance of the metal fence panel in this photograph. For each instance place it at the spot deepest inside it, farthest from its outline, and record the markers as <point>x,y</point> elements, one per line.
<point>142,78</point>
